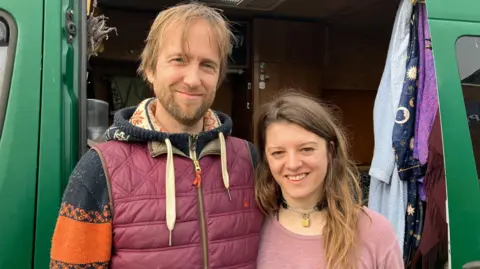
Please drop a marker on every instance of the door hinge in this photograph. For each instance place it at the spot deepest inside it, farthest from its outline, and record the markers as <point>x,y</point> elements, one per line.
<point>70,27</point>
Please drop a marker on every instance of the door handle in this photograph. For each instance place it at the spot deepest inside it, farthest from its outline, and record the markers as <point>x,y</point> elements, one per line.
<point>472,265</point>
<point>249,89</point>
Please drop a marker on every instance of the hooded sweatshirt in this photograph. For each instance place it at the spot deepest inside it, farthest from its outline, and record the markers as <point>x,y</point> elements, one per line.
<point>83,233</point>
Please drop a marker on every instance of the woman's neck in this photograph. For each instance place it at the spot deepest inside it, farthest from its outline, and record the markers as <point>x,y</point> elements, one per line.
<point>302,216</point>
<point>305,204</point>
<point>294,222</point>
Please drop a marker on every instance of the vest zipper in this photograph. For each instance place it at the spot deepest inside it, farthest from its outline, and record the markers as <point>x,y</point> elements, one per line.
<point>198,183</point>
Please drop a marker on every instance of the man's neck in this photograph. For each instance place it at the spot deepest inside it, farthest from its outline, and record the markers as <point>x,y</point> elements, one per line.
<point>171,125</point>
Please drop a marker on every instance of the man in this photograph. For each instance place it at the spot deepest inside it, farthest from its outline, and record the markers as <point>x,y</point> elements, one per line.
<point>170,188</point>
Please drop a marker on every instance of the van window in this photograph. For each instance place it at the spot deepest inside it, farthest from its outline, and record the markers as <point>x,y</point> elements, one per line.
<point>3,48</point>
<point>7,48</point>
<point>468,59</point>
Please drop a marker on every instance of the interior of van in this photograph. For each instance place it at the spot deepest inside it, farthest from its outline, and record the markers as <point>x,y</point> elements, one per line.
<point>334,50</point>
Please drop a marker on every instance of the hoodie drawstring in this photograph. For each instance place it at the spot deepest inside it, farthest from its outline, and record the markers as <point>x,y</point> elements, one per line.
<point>171,213</point>
<point>170,182</point>
<point>223,161</point>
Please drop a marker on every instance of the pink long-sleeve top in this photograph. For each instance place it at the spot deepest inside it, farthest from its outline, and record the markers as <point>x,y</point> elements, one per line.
<point>376,246</point>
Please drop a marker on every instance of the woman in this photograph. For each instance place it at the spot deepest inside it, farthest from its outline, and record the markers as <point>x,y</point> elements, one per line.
<point>307,186</point>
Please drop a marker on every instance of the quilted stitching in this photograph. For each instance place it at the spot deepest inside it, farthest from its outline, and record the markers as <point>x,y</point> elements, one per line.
<point>138,183</point>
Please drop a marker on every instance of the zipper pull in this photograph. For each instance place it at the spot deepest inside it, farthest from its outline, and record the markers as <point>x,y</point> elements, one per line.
<point>193,142</point>
<point>198,174</point>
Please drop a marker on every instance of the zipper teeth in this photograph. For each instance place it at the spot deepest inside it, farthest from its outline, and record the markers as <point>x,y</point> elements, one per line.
<point>203,230</point>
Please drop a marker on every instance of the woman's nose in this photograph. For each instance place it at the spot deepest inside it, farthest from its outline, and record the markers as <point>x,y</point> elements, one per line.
<point>293,161</point>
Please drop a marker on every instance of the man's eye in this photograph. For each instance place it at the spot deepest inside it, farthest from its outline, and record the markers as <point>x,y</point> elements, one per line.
<point>209,65</point>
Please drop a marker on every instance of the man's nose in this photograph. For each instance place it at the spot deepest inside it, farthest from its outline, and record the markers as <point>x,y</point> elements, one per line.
<point>192,76</point>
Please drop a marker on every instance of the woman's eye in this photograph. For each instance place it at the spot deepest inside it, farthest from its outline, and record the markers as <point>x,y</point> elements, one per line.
<point>276,153</point>
<point>308,149</point>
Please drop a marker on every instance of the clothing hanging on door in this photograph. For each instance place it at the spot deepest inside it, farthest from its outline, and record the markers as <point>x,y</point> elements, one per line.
<point>428,246</point>
<point>417,188</point>
<point>427,97</point>
<point>387,193</point>
<point>403,138</point>
<point>434,244</point>
<point>421,80</point>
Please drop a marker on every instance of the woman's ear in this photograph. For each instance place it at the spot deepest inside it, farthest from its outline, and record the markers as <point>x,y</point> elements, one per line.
<point>331,148</point>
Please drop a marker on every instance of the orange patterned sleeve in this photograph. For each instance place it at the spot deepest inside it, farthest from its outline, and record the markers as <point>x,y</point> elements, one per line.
<point>83,234</point>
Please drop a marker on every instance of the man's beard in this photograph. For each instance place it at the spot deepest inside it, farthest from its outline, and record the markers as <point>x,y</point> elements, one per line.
<point>168,102</point>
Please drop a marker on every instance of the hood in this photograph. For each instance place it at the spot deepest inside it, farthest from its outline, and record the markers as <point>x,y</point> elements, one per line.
<point>122,129</point>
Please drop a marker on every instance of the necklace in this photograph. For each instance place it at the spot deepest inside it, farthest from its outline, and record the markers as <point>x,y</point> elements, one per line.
<point>305,215</point>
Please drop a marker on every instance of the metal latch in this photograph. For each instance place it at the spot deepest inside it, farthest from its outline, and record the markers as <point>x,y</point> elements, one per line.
<point>70,27</point>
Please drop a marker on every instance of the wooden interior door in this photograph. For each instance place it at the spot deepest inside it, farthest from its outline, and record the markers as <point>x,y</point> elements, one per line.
<point>242,107</point>
<point>286,54</point>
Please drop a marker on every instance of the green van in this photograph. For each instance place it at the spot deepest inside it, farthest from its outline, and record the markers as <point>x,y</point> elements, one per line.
<point>45,82</point>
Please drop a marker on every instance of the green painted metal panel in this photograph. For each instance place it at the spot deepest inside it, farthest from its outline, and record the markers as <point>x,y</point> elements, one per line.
<point>19,140</point>
<point>458,10</point>
<point>58,124</point>
<point>462,181</point>
<point>63,96</point>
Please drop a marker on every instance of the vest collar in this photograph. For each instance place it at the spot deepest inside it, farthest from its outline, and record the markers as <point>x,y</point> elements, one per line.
<point>157,148</point>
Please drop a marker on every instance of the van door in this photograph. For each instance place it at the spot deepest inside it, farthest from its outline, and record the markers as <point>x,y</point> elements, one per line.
<point>21,31</point>
<point>450,23</point>
<point>63,113</point>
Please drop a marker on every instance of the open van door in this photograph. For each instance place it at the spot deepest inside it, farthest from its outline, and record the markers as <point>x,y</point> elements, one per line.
<point>62,133</point>
<point>450,23</point>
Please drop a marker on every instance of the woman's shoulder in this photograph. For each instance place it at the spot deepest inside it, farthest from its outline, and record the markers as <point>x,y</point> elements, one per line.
<point>375,229</point>
<point>377,241</point>
<point>374,222</point>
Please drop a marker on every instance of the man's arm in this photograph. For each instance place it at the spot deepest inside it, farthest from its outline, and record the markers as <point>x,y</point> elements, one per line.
<point>83,233</point>
<point>253,154</point>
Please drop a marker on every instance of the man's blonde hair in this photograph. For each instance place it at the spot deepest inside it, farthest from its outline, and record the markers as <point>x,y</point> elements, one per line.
<point>183,14</point>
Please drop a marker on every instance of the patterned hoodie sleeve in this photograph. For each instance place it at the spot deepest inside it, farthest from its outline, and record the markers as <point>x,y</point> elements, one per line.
<point>83,233</point>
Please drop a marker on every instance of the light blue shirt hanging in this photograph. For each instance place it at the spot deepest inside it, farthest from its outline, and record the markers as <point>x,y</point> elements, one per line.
<point>387,194</point>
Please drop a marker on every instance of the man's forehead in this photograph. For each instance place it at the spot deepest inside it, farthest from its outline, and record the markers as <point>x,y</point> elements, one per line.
<point>177,30</point>
<point>179,39</point>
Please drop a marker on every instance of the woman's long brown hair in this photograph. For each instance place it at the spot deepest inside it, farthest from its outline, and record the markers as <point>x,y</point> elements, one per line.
<point>340,190</point>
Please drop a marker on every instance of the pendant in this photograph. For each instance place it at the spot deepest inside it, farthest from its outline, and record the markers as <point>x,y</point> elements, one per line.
<point>306,220</point>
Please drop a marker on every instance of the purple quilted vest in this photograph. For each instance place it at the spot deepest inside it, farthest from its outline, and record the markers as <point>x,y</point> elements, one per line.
<point>140,234</point>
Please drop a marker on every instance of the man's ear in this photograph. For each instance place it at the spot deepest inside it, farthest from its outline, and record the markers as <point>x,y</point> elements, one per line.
<point>150,76</point>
